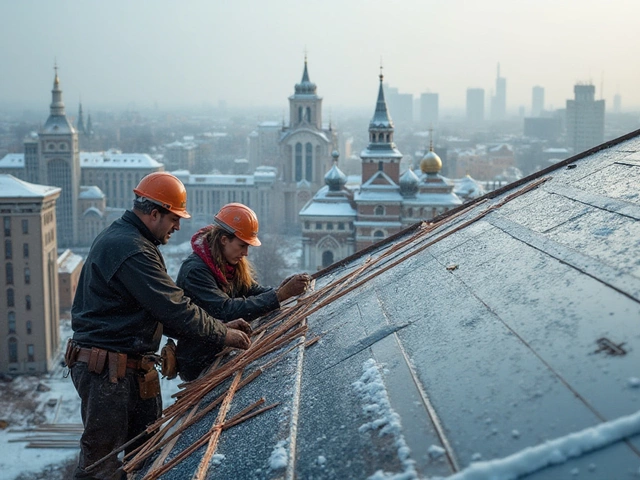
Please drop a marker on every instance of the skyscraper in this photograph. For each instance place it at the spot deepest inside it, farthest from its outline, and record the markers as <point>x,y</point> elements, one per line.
<point>585,119</point>
<point>428,109</point>
<point>475,106</point>
<point>537,101</point>
<point>499,101</point>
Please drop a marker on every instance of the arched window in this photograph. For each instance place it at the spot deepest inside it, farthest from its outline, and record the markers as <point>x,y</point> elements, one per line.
<point>11,317</point>
<point>308,161</point>
<point>13,350</point>
<point>379,210</point>
<point>299,114</point>
<point>27,301</point>
<point>308,114</point>
<point>11,299</point>
<point>27,276</point>
<point>298,162</point>
<point>9,273</point>
<point>327,258</point>
<point>378,234</point>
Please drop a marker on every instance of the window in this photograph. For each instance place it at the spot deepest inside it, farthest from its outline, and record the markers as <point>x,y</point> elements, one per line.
<point>340,226</point>
<point>378,234</point>
<point>379,210</point>
<point>9,273</point>
<point>13,350</point>
<point>7,226</point>
<point>306,225</point>
<point>329,226</point>
<point>318,226</point>
<point>25,226</point>
<point>11,300</point>
<point>27,301</point>
<point>30,353</point>
<point>25,250</point>
<point>11,317</point>
<point>29,327</point>
<point>327,258</point>
<point>8,250</point>
<point>298,171</point>
<point>27,276</point>
<point>308,160</point>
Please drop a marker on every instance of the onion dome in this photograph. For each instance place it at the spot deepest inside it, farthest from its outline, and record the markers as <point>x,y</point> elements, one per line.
<point>306,86</point>
<point>431,163</point>
<point>409,183</point>
<point>335,179</point>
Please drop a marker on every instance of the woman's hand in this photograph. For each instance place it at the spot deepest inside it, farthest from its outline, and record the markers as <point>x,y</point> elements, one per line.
<point>293,286</point>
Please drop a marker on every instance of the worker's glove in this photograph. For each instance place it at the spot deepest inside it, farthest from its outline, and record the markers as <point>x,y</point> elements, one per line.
<point>293,286</point>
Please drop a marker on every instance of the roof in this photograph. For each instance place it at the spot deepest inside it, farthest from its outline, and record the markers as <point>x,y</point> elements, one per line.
<point>117,160</point>
<point>502,340</point>
<point>12,160</point>
<point>68,262</point>
<point>14,188</point>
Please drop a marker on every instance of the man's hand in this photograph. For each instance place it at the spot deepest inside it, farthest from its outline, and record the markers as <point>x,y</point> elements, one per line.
<point>241,325</point>
<point>236,339</point>
<point>293,286</point>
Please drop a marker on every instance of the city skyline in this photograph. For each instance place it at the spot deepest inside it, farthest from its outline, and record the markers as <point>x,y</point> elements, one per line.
<point>250,54</point>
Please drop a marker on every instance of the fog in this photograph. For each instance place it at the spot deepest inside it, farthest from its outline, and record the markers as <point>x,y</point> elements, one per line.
<point>249,54</point>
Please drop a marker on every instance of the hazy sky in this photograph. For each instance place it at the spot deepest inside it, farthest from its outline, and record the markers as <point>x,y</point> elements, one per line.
<point>251,52</point>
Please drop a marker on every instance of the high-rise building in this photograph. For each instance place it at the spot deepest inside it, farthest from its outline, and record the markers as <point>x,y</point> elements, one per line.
<point>499,101</point>
<point>29,304</point>
<point>537,101</point>
<point>617,102</point>
<point>401,104</point>
<point>428,109</point>
<point>585,119</point>
<point>475,106</point>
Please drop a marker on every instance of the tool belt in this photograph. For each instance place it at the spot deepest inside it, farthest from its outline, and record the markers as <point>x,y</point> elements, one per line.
<point>118,363</point>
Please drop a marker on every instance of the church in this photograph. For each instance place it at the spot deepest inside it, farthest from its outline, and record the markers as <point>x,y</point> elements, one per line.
<point>340,219</point>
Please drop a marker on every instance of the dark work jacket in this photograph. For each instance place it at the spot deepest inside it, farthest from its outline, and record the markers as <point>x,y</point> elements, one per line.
<point>125,296</point>
<point>199,283</point>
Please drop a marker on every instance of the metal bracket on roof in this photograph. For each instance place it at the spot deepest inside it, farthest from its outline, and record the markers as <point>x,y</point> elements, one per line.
<point>610,348</point>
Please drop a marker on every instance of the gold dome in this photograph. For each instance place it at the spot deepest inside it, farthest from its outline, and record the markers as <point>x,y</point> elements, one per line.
<point>431,163</point>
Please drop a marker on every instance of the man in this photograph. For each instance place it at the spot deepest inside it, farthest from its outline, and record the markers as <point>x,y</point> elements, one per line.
<point>125,301</point>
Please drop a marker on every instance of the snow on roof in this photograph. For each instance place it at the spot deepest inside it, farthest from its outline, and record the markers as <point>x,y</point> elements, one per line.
<point>499,341</point>
<point>12,160</point>
<point>117,160</point>
<point>68,262</point>
<point>12,187</point>
<point>91,193</point>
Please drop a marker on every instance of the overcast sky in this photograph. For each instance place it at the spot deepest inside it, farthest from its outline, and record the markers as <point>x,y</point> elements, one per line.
<point>251,52</point>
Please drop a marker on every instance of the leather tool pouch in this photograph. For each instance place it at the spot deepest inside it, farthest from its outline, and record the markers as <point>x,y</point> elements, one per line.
<point>117,366</point>
<point>71,353</point>
<point>169,361</point>
<point>97,360</point>
<point>149,384</point>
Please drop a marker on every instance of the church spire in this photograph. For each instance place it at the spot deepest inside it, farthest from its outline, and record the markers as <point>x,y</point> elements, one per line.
<point>80,126</point>
<point>306,86</point>
<point>381,117</point>
<point>57,106</point>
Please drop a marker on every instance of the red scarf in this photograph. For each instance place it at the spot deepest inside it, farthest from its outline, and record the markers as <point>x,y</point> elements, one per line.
<point>201,248</point>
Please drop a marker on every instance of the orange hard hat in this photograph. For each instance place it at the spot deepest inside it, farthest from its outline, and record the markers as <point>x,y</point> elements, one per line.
<point>165,190</point>
<point>240,220</point>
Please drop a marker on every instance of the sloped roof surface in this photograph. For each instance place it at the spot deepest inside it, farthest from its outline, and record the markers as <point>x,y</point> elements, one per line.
<point>507,323</point>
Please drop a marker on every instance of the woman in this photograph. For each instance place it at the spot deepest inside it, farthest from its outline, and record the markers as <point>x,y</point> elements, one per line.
<point>218,277</point>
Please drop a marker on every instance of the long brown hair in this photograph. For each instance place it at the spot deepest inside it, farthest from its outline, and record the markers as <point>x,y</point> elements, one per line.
<point>245,273</point>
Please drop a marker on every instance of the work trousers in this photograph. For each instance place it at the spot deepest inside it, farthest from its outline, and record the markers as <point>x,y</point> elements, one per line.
<point>112,414</point>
